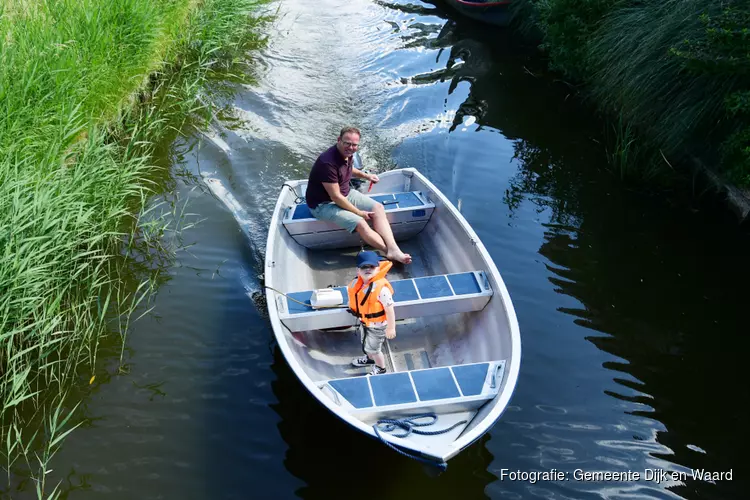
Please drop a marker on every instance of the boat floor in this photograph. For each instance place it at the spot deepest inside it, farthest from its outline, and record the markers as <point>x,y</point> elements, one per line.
<point>420,343</point>
<point>337,348</point>
<point>338,267</point>
<point>444,421</point>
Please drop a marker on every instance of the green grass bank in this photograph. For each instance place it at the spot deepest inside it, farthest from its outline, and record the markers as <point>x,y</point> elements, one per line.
<point>88,90</point>
<point>672,75</point>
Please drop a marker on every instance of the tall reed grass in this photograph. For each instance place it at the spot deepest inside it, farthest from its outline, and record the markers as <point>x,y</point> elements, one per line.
<point>88,88</point>
<point>635,73</point>
<point>637,60</point>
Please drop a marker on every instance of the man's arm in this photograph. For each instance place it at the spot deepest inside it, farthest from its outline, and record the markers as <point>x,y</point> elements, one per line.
<point>362,175</point>
<point>332,188</point>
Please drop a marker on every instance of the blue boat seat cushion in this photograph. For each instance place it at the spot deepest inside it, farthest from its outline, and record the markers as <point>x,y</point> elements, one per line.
<point>404,290</point>
<point>390,202</point>
<point>469,384</point>
<point>407,212</point>
<point>413,297</point>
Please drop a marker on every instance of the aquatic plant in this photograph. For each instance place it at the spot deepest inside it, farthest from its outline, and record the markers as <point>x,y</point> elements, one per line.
<point>677,70</point>
<point>88,90</point>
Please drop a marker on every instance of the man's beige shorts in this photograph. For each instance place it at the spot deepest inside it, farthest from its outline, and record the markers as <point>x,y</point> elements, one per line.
<point>344,218</point>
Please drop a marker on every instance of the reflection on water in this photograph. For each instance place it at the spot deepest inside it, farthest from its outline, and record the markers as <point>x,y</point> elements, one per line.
<point>667,315</point>
<point>630,306</point>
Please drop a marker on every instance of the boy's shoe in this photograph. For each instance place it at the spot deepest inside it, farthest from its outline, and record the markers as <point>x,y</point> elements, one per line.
<point>376,370</point>
<point>363,361</point>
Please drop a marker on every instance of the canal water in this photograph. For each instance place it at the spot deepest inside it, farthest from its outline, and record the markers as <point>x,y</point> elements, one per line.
<point>631,306</point>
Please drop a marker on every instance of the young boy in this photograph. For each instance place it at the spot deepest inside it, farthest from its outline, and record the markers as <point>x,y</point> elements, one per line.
<point>371,300</point>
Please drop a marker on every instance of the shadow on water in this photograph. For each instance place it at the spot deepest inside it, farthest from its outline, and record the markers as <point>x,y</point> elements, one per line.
<point>656,287</point>
<point>334,460</point>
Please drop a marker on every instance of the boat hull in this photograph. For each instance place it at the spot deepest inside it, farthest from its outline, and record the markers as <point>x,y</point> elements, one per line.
<point>495,13</point>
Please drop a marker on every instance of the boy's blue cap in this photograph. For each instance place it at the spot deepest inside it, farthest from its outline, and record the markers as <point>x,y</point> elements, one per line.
<point>368,258</point>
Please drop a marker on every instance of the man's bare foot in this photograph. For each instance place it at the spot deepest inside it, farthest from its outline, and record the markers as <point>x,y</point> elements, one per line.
<point>399,256</point>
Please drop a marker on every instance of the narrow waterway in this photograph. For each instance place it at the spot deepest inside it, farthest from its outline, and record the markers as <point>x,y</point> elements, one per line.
<point>632,308</point>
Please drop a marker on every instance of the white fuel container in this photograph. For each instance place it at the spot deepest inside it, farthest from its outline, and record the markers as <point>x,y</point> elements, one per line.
<point>326,297</point>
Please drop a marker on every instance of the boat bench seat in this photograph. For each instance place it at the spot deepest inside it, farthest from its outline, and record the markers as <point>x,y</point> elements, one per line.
<point>413,298</point>
<point>443,389</point>
<point>408,212</point>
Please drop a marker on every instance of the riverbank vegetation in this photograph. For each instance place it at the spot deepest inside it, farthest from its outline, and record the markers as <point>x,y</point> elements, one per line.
<point>677,72</point>
<point>88,91</point>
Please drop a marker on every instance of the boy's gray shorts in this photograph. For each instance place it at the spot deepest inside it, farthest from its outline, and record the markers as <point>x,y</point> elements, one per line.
<point>372,338</point>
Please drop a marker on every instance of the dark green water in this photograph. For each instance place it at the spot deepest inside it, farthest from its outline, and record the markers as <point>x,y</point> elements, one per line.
<point>632,308</point>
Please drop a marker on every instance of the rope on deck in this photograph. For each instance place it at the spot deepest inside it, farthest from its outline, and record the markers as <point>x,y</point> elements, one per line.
<point>408,425</point>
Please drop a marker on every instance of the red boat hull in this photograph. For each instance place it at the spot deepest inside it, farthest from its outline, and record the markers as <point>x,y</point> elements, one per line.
<point>496,13</point>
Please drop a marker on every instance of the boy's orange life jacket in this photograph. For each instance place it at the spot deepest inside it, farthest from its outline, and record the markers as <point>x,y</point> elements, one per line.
<point>363,300</point>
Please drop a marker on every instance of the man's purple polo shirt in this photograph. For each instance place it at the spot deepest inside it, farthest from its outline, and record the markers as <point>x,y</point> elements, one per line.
<point>329,167</point>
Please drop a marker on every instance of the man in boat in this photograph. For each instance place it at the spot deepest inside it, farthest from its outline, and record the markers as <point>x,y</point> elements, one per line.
<point>371,300</point>
<point>330,198</point>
